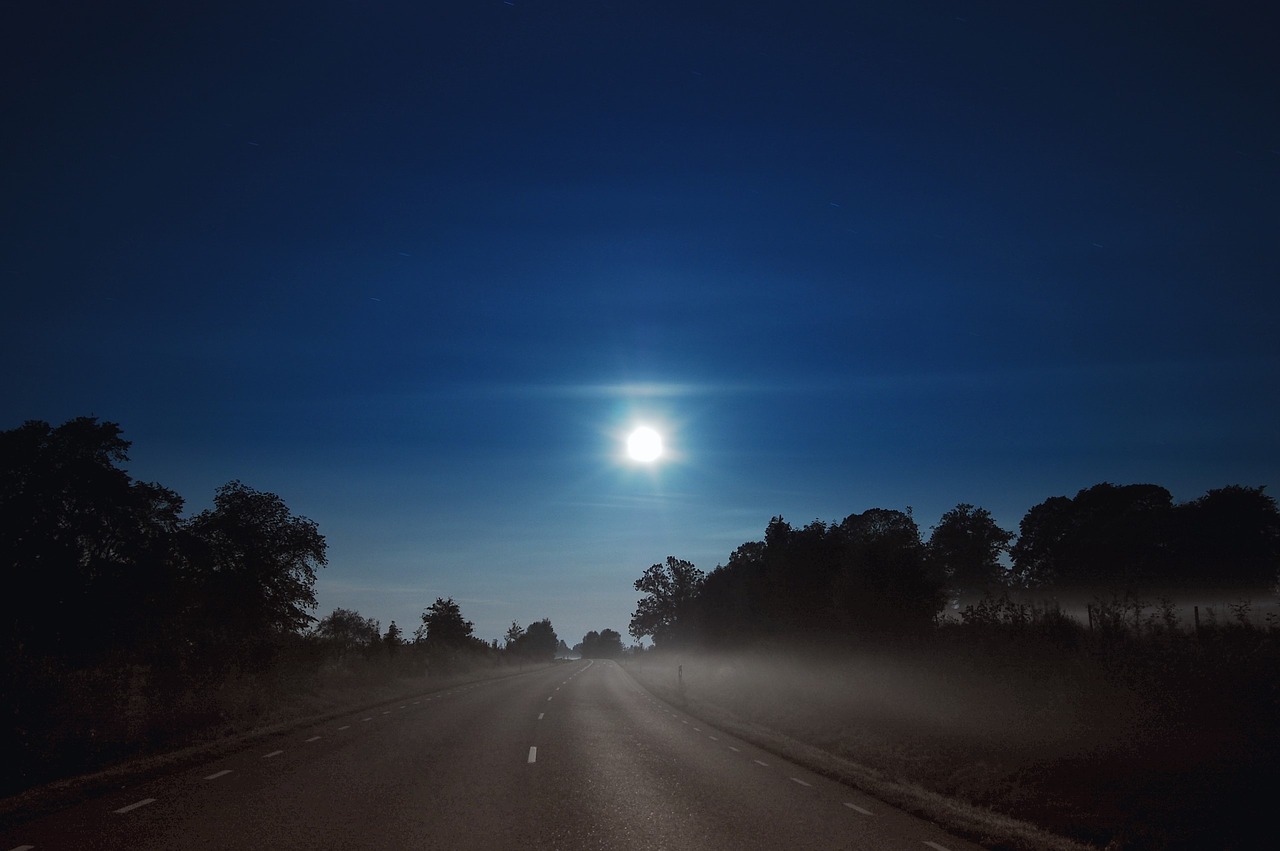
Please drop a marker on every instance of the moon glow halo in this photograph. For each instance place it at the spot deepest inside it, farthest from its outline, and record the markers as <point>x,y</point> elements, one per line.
<point>644,445</point>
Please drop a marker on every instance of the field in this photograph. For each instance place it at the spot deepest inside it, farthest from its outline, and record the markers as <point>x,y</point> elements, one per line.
<point>1133,735</point>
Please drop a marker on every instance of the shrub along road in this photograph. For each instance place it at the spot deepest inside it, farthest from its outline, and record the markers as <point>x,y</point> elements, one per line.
<point>569,757</point>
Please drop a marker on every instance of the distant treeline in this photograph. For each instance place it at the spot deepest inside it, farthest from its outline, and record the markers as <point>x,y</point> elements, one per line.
<point>125,626</point>
<point>874,573</point>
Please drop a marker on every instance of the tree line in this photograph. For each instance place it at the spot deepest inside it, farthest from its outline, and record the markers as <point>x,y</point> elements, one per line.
<point>102,568</point>
<point>874,572</point>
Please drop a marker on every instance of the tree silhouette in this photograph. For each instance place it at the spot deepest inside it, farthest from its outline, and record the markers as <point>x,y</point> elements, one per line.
<point>443,625</point>
<point>670,590</point>
<point>347,631</point>
<point>729,608</point>
<point>885,583</point>
<point>539,641</point>
<point>867,573</point>
<point>966,546</point>
<point>605,644</point>
<point>1107,538</point>
<point>1042,551</point>
<point>253,563</point>
<point>89,552</point>
<point>394,639</point>
<point>1228,539</point>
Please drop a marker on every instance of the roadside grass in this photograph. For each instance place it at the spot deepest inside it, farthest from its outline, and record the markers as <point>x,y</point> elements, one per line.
<point>1019,738</point>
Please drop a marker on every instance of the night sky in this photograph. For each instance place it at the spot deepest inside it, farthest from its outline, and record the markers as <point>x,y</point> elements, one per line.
<point>417,267</point>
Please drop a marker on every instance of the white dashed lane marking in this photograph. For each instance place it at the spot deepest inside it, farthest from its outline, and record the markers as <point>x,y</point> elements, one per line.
<point>533,754</point>
<point>314,739</point>
<point>935,846</point>
<point>858,809</point>
<point>801,782</point>
<point>136,805</point>
<point>273,753</point>
<point>223,773</point>
<point>345,727</point>
<point>22,848</point>
<point>758,762</point>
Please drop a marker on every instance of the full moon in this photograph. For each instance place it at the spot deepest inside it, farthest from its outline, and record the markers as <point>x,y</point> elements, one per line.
<point>644,444</point>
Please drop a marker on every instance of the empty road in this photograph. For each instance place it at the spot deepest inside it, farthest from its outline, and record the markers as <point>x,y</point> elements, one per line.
<point>575,756</point>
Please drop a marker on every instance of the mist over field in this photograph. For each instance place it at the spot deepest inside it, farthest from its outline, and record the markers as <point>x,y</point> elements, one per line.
<point>1126,740</point>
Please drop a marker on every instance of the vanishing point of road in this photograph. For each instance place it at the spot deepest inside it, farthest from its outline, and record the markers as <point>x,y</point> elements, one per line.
<point>573,756</point>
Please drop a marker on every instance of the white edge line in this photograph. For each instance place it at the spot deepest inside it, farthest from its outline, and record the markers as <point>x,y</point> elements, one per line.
<point>136,804</point>
<point>858,809</point>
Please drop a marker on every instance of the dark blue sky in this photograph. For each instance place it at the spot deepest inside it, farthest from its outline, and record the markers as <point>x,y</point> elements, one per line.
<point>417,266</point>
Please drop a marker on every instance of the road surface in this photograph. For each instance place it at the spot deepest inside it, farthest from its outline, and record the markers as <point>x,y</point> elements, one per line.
<point>574,756</point>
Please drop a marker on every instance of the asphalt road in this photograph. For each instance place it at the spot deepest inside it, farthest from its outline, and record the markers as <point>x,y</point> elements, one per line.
<point>575,756</point>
